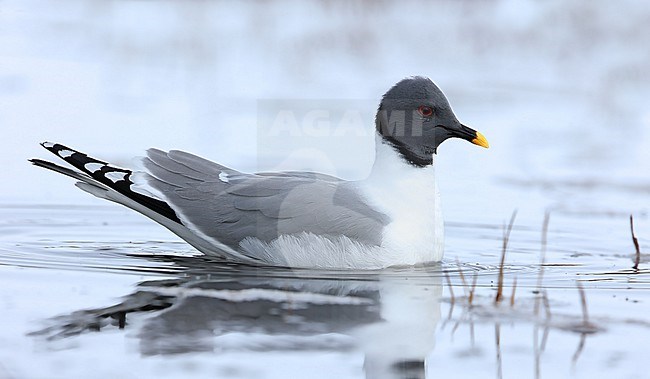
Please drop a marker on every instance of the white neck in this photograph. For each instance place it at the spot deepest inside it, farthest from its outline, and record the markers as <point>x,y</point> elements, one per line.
<point>409,196</point>
<point>390,164</point>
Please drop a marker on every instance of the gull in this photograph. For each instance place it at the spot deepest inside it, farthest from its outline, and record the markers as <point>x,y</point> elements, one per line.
<point>299,219</point>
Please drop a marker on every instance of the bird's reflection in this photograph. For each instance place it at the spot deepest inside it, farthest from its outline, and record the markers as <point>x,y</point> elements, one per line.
<point>389,316</point>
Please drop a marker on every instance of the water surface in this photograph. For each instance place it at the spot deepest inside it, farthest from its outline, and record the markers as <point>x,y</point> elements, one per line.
<point>82,291</point>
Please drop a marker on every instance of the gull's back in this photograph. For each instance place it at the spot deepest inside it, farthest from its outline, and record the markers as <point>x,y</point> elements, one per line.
<point>255,214</point>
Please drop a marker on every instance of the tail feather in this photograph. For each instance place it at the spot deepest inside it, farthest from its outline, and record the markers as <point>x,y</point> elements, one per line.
<point>102,175</point>
<point>62,170</point>
<point>119,185</point>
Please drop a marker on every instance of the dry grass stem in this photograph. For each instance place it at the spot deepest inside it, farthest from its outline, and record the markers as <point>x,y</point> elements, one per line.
<point>497,340</point>
<point>581,346</point>
<point>542,259</point>
<point>544,338</point>
<point>506,238</point>
<point>637,256</point>
<point>451,288</point>
<point>547,306</point>
<point>457,324</point>
<point>472,289</point>
<point>462,276</point>
<point>583,302</point>
<point>536,351</point>
<point>472,337</point>
<point>514,289</point>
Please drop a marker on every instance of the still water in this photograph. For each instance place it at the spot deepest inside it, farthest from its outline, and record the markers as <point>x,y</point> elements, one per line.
<point>84,292</point>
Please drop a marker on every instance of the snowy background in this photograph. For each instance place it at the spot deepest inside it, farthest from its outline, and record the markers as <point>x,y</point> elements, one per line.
<point>559,89</point>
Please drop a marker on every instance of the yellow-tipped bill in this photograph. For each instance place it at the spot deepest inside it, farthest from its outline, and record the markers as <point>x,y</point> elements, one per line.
<point>480,140</point>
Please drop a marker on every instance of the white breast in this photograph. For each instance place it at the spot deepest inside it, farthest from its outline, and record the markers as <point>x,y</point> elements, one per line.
<point>410,197</point>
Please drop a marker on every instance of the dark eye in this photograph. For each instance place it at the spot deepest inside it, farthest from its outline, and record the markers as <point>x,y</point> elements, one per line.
<point>425,111</point>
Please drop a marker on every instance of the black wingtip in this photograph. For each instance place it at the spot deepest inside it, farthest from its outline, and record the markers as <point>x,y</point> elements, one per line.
<point>56,168</point>
<point>35,161</point>
<point>53,147</point>
<point>47,144</point>
<point>80,161</point>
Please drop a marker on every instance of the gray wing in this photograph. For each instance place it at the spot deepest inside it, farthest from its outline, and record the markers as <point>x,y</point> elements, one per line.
<point>229,206</point>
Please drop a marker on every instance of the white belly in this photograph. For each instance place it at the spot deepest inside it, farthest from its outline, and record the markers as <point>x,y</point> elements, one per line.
<point>314,251</point>
<point>414,235</point>
<point>416,232</point>
<point>407,195</point>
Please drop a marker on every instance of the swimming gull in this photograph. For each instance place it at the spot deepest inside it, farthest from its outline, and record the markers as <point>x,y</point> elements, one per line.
<point>299,219</point>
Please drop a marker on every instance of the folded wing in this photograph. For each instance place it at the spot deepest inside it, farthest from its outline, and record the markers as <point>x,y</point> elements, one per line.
<point>229,206</point>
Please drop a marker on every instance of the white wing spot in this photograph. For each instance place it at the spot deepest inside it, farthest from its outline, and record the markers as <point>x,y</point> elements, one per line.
<point>93,166</point>
<point>223,176</point>
<point>65,153</point>
<point>49,145</point>
<point>116,176</point>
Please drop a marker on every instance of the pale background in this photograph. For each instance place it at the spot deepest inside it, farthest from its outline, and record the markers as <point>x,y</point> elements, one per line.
<point>559,89</point>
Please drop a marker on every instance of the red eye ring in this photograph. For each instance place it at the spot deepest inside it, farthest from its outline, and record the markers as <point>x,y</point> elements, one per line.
<point>425,111</point>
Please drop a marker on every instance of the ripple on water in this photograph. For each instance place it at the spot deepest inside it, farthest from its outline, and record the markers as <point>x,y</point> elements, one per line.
<point>203,304</point>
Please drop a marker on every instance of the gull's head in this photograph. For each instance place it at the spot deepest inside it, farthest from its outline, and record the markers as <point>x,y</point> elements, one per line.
<point>414,116</point>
